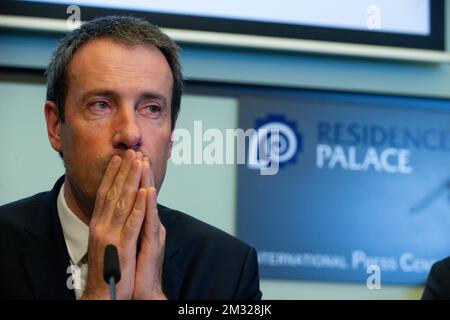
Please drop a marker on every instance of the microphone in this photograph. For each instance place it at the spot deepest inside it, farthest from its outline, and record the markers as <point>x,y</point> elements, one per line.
<point>111,269</point>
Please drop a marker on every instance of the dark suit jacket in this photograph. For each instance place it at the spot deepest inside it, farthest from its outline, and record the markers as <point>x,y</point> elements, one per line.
<point>438,283</point>
<point>201,262</point>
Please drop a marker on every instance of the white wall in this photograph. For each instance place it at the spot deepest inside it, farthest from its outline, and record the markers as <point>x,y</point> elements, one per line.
<point>28,164</point>
<point>204,191</point>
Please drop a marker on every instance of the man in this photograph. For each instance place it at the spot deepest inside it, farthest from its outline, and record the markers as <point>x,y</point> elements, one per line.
<point>438,282</point>
<point>113,96</point>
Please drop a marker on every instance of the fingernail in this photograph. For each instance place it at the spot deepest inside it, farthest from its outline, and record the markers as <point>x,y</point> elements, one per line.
<point>129,154</point>
<point>115,160</point>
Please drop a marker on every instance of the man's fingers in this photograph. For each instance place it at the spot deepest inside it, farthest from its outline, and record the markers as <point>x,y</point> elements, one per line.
<point>147,174</point>
<point>145,180</point>
<point>133,224</point>
<point>114,192</point>
<point>105,185</point>
<point>153,232</point>
<point>152,219</point>
<point>127,198</point>
<point>150,260</point>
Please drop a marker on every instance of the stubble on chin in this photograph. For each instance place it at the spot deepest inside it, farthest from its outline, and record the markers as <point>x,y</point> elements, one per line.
<point>98,171</point>
<point>86,181</point>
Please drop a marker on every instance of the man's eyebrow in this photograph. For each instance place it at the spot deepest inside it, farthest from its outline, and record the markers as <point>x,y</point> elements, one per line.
<point>153,96</point>
<point>148,95</point>
<point>100,92</point>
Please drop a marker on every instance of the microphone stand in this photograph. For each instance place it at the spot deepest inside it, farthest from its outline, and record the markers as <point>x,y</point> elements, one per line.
<point>111,269</point>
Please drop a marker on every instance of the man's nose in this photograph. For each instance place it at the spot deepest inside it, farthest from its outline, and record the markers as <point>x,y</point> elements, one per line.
<point>128,133</point>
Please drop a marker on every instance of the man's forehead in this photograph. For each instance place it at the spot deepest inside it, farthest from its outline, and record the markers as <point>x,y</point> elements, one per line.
<point>113,62</point>
<point>102,49</point>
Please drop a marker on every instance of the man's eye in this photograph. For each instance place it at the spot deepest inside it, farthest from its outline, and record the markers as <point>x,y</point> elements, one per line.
<point>153,108</point>
<point>101,105</point>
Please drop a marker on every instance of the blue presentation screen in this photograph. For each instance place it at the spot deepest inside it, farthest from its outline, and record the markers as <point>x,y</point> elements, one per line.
<point>363,181</point>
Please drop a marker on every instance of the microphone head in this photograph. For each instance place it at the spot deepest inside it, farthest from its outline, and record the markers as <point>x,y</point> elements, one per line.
<point>111,265</point>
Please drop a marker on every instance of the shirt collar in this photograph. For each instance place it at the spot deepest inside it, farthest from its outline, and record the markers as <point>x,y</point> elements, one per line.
<point>76,232</point>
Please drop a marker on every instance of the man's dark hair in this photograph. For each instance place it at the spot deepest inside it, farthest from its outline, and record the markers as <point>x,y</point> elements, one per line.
<point>127,30</point>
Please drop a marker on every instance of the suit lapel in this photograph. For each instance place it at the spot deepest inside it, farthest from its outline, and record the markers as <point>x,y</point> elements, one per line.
<point>46,259</point>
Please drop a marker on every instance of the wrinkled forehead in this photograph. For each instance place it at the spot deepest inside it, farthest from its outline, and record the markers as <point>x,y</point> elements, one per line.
<point>112,64</point>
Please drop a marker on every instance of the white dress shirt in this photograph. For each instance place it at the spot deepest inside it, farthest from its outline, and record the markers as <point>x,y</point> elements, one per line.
<point>76,235</point>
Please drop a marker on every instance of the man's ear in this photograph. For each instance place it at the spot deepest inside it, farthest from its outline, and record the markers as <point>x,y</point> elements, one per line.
<point>53,125</point>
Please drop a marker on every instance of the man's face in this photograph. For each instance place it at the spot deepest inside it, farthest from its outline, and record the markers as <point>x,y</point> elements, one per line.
<point>118,98</point>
